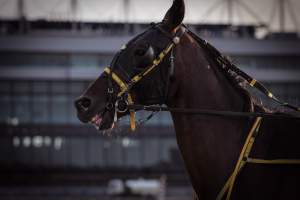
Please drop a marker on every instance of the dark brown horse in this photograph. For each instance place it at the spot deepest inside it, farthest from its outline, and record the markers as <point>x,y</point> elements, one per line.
<point>189,77</point>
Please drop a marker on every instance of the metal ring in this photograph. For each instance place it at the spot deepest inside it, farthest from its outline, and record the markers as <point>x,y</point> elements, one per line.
<point>109,106</point>
<point>118,103</point>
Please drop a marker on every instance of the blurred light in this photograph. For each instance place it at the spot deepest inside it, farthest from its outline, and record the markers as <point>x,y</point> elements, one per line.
<point>37,141</point>
<point>14,121</point>
<point>26,141</point>
<point>126,142</point>
<point>47,141</point>
<point>58,143</point>
<point>16,141</point>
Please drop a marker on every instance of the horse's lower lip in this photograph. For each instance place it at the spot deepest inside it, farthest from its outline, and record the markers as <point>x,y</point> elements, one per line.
<point>96,120</point>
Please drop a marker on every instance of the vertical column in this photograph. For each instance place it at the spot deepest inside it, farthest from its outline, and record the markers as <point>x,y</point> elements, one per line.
<point>282,15</point>
<point>21,9</point>
<point>74,14</point>
<point>126,7</point>
<point>230,11</point>
<point>21,15</point>
<point>126,10</point>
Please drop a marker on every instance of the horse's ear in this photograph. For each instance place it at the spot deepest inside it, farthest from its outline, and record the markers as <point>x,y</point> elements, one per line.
<point>175,15</point>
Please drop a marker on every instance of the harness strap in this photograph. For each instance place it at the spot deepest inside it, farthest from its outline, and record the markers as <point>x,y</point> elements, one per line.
<point>244,154</point>
<point>244,158</point>
<point>147,70</point>
<point>273,162</point>
<point>227,65</point>
<point>122,85</point>
<point>123,88</point>
<point>224,113</point>
<point>132,113</point>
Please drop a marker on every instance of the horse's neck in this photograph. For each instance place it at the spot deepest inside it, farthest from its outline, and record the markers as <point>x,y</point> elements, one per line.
<point>204,139</point>
<point>200,84</point>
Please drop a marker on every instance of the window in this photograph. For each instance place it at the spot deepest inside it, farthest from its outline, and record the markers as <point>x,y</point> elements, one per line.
<point>37,59</point>
<point>268,62</point>
<point>89,60</point>
<point>40,111</point>
<point>59,111</point>
<point>33,59</point>
<point>22,108</point>
<point>6,105</point>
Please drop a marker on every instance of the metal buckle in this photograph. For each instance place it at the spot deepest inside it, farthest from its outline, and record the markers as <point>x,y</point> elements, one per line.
<point>109,106</point>
<point>176,40</point>
<point>121,106</point>
<point>110,90</point>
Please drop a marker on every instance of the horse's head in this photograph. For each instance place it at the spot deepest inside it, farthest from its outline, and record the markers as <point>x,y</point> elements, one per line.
<point>139,73</point>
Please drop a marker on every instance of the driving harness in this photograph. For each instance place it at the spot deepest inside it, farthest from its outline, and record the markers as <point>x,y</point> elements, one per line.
<point>125,103</point>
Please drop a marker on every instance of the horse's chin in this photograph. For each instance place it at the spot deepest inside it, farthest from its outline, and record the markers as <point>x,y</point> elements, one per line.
<point>103,122</point>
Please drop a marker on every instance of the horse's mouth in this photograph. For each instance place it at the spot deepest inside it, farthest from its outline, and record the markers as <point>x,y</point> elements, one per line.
<point>97,120</point>
<point>102,121</point>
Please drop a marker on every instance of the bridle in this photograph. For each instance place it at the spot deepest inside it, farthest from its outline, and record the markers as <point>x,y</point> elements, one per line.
<point>123,98</point>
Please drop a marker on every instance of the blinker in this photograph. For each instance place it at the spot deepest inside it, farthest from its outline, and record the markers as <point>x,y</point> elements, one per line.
<point>146,59</point>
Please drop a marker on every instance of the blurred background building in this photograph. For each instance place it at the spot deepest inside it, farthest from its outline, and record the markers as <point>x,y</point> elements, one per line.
<point>51,50</point>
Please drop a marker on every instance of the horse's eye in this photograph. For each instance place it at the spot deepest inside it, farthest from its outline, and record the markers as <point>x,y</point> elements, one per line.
<point>140,52</point>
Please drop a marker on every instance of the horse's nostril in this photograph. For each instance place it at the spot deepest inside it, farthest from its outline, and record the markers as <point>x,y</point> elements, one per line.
<point>83,103</point>
<point>86,103</point>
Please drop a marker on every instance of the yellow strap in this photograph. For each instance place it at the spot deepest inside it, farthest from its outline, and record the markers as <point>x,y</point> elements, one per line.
<point>270,95</point>
<point>252,83</point>
<point>274,162</point>
<point>226,186</point>
<point>123,86</point>
<point>240,164</point>
<point>159,59</point>
<point>132,120</point>
<point>245,154</point>
<point>224,189</point>
<point>132,114</point>
<point>246,149</point>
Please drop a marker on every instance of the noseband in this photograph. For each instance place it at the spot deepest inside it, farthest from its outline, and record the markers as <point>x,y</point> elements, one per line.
<point>124,96</point>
